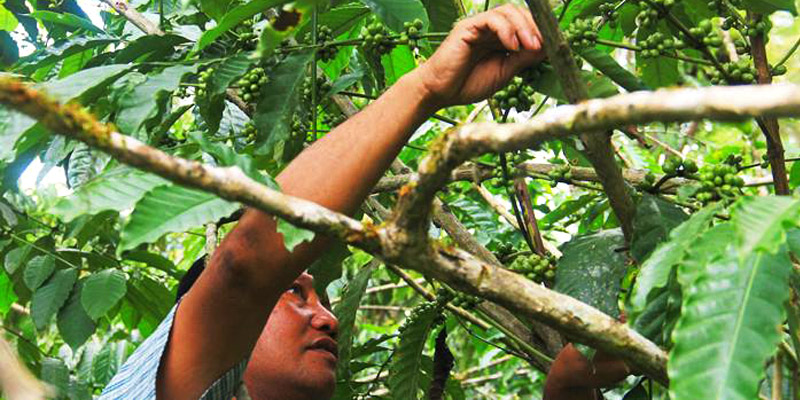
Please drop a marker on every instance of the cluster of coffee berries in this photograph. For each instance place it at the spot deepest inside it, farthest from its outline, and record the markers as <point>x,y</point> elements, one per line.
<point>742,47</point>
<point>757,28</point>
<point>517,94</point>
<point>182,91</point>
<point>376,38</point>
<point>560,173</point>
<point>535,267</point>
<point>297,128</point>
<point>677,167</point>
<point>658,44</point>
<point>504,250</point>
<point>250,84</point>
<point>705,33</point>
<point>332,119</point>
<point>609,11</point>
<point>412,32</point>
<point>719,182</point>
<point>247,38</point>
<point>249,132</point>
<point>324,37</point>
<point>581,33</point>
<point>202,79</point>
<point>422,309</point>
<point>465,301</point>
<point>648,16</point>
<point>742,72</point>
<point>323,87</point>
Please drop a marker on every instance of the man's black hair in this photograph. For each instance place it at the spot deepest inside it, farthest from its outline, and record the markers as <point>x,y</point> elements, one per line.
<point>191,276</point>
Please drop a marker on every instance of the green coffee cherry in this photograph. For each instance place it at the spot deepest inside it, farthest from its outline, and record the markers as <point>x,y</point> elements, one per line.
<point>374,37</point>
<point>250,84</point>
<point>536,268</point>
<point>517,95</point>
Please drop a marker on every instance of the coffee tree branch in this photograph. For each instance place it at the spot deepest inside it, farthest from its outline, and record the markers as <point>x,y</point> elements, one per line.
<point>393,241</point>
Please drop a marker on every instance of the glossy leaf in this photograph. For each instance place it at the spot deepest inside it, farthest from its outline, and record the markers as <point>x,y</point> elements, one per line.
<point>656,269</point>
<point>606,64</point>
<point>345,311</point>
<point>101,291</point>
<point>280,96</point>
<point>212,105</point>
<point>654,219</point>
<point>39,270</point>
<point>770,6</point>
<point>292,235</point>
<point>55,373</point>
<point>394,12</point>
<point>49,298</point>
<point>596,256</point>
<point>404,371</point>
<point>443,13</point>
<point>118,189</point>
<point>761,222</point>
<point>171,208</point>
<point>74,325</point>
<point>729,327</point>
<point>70,20</point>
<point>140,104</point>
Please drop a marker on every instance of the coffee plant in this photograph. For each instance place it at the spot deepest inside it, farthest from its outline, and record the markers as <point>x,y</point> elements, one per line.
<point>672,212</point>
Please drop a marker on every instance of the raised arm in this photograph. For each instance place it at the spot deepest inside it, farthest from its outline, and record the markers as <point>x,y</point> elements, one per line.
<point>221,317</point>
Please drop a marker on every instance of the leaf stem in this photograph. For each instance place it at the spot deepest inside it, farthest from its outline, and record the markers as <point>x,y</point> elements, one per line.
<point>788,54</point>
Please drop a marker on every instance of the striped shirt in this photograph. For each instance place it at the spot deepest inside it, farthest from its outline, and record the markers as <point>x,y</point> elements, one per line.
<point>136,379</point>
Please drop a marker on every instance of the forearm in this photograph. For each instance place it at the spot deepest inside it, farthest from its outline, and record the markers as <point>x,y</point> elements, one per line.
<point>338,171</point>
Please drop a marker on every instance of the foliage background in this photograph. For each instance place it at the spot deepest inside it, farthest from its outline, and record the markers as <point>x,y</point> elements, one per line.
<point>92,250</point>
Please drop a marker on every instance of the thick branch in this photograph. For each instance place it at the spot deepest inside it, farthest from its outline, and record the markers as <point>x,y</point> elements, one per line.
<point>598,145</point>
<point>768,125</point>
<point>394,244</point>
<point>598,115</point>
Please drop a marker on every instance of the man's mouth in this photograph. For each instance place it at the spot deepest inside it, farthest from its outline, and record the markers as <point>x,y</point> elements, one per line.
<point>326,344</point>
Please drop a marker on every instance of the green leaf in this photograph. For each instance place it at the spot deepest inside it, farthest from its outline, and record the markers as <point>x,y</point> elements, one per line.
<point>404,371</point>
<point>339,19</point>
<point>397,63</point>
<point>74,325</point>
<point>292,235</point>
<point>39,270</point>
<point>171,208</point>
<point>606,64</point>
<point>7,20</point>
<point>118,189</point>
<point>154,260</point>
<point>215,9</point>
<point>48,299</point>
<point>654,219</point>
<point>730,326</point>
<point>769,6</point>
<point>7,295</point>
<point>234,17</point>
<point>140,104</point>
<point>102,291</point>
<point>761,222</point>
<point>212,105</point>
<point>55,372</point>
<point>106,363</point>
<point>591,270</point>
<point>394,12</point>
<point>564,209</point>
<point>442,14</point>
<point>345,311</point>
<point>12,126</point>
<point>62,49</point>
<point>16,257</point>
<point>280,96</point>
<point>656,269</point>
<point>139,49</point>
<point>67,19</point>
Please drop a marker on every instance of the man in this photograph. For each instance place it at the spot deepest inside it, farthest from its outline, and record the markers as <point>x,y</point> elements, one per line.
<point>253,314</point>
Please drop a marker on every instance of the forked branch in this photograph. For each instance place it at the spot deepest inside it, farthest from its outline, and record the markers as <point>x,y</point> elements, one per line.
<point>394,242</point>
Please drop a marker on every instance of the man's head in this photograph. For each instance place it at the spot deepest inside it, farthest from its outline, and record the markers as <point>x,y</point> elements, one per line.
<point>296,355</point>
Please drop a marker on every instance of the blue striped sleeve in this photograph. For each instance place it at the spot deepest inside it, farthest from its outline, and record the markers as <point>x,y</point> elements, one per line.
<point>136,379</point>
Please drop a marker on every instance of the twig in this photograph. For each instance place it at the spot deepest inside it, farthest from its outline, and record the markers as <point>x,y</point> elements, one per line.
<point>788,54</point>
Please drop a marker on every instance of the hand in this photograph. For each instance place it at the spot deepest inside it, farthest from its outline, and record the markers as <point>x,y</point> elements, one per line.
<point>574,377</point>
<point>480,55</point>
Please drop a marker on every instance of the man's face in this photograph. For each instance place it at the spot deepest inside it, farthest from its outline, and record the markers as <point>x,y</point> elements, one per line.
<point>296,355</point>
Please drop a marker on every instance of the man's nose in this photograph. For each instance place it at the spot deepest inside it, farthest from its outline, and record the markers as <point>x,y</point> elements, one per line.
<point>324,320</point>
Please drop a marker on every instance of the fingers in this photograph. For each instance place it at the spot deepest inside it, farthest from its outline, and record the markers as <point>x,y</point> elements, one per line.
<point>524,26</point>
<point>502,28</point>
